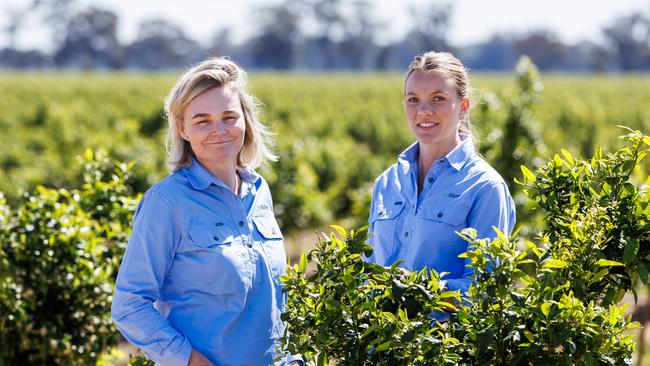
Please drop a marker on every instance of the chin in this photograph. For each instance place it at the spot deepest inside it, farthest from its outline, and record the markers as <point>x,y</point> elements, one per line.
<point>428,140</point>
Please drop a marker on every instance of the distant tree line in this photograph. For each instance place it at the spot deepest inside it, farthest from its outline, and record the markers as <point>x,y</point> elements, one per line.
<point>312,35</point>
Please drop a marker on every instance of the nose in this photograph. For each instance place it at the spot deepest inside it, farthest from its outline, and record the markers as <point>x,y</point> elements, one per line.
<point>220,128</point>
<point>425,108</point>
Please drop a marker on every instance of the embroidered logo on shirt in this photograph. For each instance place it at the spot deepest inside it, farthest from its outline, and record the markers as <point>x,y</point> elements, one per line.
<point>264,207</point>
<point>398,202</point>
<point>453,195</point>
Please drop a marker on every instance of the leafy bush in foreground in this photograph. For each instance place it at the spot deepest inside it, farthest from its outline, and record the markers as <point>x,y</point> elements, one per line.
<point>546,303</point>
<point>59,256</point>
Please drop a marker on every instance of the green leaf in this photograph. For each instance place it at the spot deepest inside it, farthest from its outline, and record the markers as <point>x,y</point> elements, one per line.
<point>529,335</point>
<point>500,233</point>
<point>643,272</point>
<point>450,294</point>
<point>384,346</point>
<point>322,359</point>
<point>568,157</point>
<point>599,275</point>
<point>339,230</point>
<point>528,175</point>
<point>630,251</point>
<point>303,263</point>
<point>634,325</point>
<point>554,263</point>
<point>546,308</point>
<point>608,263</point>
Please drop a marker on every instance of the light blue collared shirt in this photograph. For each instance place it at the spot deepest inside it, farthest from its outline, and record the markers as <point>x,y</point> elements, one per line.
<point>460,190</point>
<point>201,271</point>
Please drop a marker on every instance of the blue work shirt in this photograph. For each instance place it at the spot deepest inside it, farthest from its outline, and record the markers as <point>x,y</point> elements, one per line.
<point>460,190</point>
<point>201,270</point>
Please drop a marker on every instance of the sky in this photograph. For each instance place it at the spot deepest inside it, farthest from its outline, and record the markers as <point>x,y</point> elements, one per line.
<point>473,21</point>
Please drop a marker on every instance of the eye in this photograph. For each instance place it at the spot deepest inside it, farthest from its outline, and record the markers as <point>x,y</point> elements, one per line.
<point>411,99</point>
<point>439,98</point>
<point>202,122</point>
<point>231,118</point>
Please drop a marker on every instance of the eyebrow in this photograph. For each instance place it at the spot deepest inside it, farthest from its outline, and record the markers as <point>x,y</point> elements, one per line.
<point>200,115</point>
<point>433,92</point>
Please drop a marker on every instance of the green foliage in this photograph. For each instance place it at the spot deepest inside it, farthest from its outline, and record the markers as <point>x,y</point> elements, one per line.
<point>140,361</point>
<point>335,133</point>
<point>547,303</point>
<point>597,219</point>
<point>60,253</point>
<point>517,139</point>
<point>359,313</point>
<point>519,314</point>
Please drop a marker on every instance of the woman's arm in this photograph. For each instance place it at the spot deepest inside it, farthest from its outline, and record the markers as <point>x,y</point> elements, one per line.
<point>492,207</point>
<point>148,256</point>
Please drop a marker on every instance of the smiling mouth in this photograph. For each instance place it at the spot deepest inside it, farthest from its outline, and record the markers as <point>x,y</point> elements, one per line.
<point>218,142</point>
<point>427,124</point>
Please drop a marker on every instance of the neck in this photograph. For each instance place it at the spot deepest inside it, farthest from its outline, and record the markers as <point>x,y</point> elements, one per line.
<point>428,154</point>
<point>225,172</point>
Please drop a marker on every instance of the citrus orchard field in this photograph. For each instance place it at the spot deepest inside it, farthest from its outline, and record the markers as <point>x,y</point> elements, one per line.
<point>98,139</point>
<point>334,133</point>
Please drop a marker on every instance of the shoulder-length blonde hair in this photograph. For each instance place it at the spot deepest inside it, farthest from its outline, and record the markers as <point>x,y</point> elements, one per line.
<point>217,72</point>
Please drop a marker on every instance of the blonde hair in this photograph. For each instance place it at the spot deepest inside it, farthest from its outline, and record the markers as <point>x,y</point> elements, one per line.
<point>217,72</point>
<point>446,63</point>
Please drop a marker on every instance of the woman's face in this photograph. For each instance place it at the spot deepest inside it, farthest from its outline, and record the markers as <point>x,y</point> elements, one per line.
<point>433,108</point>
<point>213,124</point>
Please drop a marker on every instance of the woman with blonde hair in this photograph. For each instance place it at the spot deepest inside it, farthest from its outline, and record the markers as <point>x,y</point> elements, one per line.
<point>439,184</point>
<point>199,282</point>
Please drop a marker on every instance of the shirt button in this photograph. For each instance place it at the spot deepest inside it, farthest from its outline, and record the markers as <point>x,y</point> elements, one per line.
<point>215,238</point>
<point>439,214</point>
<point>241,223</point>
<point>249,245</point>
<point>430,179</point>
<point>406,235</point>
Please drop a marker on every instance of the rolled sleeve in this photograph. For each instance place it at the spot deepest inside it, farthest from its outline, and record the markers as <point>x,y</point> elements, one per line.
<point>146,261</point>
<point>293,358</point>
<point>493,207</point>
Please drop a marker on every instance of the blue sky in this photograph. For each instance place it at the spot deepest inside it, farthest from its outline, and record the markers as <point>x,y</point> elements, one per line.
<point>473,20</point>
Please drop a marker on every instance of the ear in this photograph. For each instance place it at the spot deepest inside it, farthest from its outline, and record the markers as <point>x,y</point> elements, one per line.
<point>180,130</point>
<point>464,107</point>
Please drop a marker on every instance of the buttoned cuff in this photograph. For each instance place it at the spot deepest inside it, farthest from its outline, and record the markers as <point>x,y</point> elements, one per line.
<point>292,358</point>
<point>176,356</point>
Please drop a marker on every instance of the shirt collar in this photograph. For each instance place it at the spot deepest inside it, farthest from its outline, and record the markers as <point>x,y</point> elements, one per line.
<point>461,153</point>
<point>200,178</point>
<point>456,158</point>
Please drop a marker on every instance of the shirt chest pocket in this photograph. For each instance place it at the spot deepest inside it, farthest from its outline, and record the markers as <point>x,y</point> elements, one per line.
<point>270,236</point>
<point>212,260</point>
<point>384,229</point>
<point>452,214</point>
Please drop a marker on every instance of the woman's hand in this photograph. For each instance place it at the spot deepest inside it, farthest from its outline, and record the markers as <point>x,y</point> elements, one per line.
<point>197,359</point>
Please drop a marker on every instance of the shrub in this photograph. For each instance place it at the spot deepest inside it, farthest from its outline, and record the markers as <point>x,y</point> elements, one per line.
<point>552,302</point>
<point>361,313</point>
<point>59,257</point>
